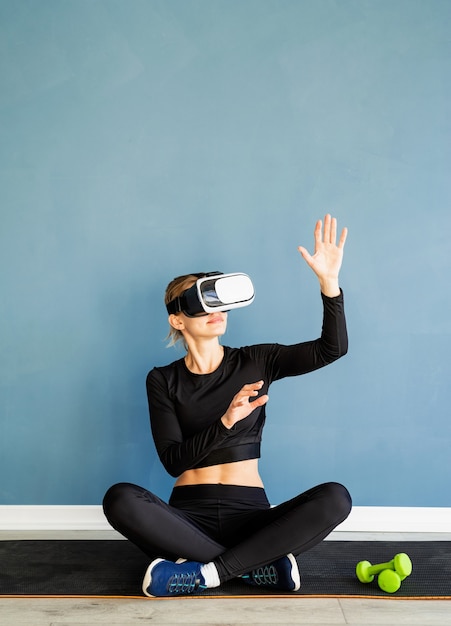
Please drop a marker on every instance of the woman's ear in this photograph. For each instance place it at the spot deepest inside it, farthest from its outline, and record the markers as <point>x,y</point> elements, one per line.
<point>176,322</point>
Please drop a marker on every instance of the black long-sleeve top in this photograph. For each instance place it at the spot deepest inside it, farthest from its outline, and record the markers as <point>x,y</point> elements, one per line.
<point>186,408</point>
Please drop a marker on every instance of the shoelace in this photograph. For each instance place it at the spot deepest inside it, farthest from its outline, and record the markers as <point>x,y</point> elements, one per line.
<point>266,575</point>
<point>184,583</point>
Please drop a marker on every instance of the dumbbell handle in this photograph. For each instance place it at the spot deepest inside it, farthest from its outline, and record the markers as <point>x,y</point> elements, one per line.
<point>379,567</point>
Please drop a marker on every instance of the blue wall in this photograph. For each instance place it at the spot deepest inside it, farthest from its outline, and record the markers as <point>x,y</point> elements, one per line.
<point>140,140</point>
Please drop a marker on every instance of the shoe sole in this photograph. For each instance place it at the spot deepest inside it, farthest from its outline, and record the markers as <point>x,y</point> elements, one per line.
<point>148,578</point>
<point>295,575</point>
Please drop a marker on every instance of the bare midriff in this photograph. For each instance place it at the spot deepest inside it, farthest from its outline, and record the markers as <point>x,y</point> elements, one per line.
<point>243,473</point>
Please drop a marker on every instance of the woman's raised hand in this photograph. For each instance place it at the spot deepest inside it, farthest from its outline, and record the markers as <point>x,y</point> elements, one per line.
<point>328,255</point>
<point>242,405</point>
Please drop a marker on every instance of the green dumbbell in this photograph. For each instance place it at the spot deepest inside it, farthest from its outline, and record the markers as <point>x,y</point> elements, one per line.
<point>400,564</point>
<point>389,580</point>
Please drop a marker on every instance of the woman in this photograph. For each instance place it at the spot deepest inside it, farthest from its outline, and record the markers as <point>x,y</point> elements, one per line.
<point>207,414</point>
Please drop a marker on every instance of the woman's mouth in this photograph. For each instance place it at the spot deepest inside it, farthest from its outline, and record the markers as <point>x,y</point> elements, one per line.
<point>216,320</point>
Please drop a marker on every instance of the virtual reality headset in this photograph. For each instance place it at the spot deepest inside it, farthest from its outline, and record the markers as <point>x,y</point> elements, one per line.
<point>213,292</point>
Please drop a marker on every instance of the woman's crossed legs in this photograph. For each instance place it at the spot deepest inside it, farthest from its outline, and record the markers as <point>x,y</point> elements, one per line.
<point>231,526</point>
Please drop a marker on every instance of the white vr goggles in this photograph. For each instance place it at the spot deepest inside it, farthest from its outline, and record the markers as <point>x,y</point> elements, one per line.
<point>212,292</point>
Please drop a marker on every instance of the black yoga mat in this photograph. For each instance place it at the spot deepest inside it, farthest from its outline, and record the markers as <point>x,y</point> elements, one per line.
<point>115,569</point>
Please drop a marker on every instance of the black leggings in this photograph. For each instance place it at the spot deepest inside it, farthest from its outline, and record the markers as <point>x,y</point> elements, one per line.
<point>233,526</point>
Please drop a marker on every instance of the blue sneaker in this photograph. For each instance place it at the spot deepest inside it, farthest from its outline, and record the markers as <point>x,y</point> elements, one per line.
<point>165,578</point>
<point>282,574</point>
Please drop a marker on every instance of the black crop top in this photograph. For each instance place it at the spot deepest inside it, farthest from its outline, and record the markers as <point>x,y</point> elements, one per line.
<point>186,408</point>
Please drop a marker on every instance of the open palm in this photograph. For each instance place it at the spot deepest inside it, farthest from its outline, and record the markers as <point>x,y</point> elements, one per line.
<point>328,255</point>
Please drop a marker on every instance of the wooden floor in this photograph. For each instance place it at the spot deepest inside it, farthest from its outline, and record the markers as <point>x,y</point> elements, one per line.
<point>222,611</point>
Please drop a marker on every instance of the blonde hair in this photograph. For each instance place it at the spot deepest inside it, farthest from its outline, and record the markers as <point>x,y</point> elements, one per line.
<point>175,288</point>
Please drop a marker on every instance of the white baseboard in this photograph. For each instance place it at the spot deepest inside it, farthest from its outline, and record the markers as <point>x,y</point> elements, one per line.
<point>398,520</point>
<point>52,517</point>
<point>362,519</point>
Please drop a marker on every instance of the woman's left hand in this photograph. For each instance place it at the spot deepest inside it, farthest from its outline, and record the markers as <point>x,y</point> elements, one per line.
<point>328,256</point>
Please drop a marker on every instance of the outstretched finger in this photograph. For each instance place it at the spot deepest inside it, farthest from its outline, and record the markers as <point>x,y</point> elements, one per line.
<point>327,228</point>
<point>260,401</point>
<point>333,230</point>
<point>306,255</point>
<point>318,234</point>
<point>344,234</point>
<point>251,389</point>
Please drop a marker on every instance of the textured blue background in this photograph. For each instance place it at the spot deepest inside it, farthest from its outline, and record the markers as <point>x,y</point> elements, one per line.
<point>140,140</point>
